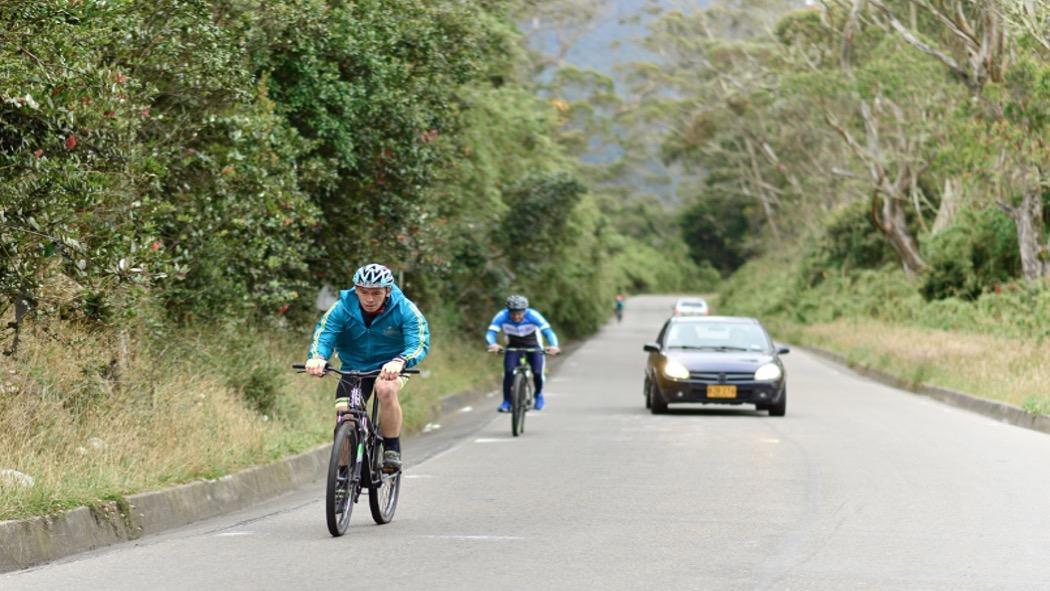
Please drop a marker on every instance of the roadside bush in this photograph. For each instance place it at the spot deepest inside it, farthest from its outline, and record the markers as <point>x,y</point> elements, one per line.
<point>976,253</point>
<point>849,241</point>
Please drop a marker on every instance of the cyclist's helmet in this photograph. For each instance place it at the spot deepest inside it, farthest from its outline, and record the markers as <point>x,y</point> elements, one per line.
<point>517,303</point>
<point>373,275</point>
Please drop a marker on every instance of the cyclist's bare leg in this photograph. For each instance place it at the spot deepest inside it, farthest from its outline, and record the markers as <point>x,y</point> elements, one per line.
<point>389,407</point>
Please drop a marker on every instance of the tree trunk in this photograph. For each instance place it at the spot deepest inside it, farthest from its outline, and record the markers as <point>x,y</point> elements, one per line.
<point>1028,217</point>
<point>895,228</point>
<point>950,200</point>
<point>761,192</point>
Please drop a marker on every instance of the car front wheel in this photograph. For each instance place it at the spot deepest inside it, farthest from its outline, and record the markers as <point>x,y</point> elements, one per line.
<point>779,408</point>
<point>647,392</point>
<point>656,402</point>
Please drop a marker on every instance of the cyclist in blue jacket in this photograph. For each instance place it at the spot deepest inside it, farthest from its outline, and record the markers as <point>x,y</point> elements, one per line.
<point>523,327</point>
<point>373,326</point>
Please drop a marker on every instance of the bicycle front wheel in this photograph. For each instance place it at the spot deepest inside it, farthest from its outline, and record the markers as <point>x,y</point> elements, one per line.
<point>344,479</point>
<point>518,403</point>
<point>382,498</point>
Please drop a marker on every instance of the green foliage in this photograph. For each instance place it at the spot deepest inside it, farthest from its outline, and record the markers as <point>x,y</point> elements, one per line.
<point>539,209</point>
<point>717,230</point>
<point>221,160</point>
<point>769,288</point>
<point>848,241</point>
<point>975,254</point>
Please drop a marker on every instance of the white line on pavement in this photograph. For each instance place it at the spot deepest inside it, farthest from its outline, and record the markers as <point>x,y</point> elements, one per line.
<point>476,538</point>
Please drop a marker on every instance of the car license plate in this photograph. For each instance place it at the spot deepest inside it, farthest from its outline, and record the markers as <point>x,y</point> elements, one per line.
<point>721,391</point>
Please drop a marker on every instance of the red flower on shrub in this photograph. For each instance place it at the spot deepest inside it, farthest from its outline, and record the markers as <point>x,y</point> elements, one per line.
<point>155,246</point>
<point>282,309</point>
<point>71,142</point>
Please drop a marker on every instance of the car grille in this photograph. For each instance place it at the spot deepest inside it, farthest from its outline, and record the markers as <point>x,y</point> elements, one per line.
<point>709,377</point>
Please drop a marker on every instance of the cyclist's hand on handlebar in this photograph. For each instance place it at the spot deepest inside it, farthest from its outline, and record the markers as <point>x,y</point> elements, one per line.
<point>392,369</point>
<point>495,348</point>
<point>553,350</point>
<point>315,366</point>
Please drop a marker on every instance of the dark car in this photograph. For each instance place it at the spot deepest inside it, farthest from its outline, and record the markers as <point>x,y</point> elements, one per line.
<point>715,360</point>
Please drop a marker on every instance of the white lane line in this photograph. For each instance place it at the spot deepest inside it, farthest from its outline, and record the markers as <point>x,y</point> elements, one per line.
<point>476,538</point>
<point>419,476</point>
<point>492,440</point>
<point>769,440</point>
<point>466,409</point>
<point>235,533</point>
<point>431,427</point>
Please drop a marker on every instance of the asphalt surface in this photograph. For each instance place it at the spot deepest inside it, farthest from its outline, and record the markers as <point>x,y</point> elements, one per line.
<point>860,486</point>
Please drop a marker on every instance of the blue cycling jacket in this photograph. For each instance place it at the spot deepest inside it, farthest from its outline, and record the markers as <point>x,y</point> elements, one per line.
<point>524,333</point>
<point>400,330</point>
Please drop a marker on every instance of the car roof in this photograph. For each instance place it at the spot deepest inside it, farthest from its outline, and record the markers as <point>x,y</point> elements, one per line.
<point>692,299</point>
<point>716,319</point>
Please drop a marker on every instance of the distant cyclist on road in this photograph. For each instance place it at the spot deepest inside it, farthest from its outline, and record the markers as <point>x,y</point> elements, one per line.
<point>373,326</point>
<point>620,302</point>
<point>523,327</point>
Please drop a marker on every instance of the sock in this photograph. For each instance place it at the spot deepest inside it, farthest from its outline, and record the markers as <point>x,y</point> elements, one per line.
<point>392,443</point>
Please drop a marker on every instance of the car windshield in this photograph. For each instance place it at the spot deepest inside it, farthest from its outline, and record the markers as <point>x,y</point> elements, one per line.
<point>692,304</point>
<point>717,336</point>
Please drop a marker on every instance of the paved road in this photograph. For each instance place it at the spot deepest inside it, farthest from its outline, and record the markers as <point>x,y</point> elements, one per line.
<point>860,486</point>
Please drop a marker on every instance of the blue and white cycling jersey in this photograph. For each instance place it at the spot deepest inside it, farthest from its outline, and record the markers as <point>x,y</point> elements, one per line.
<point>522,334</point>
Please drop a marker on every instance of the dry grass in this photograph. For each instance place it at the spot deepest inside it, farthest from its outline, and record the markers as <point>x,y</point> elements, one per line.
<point>173,416</point>
<point>995,368</point>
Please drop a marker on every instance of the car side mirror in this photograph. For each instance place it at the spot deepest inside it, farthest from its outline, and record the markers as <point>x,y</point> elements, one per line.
<point>783,350</point>
<point>651,347</point>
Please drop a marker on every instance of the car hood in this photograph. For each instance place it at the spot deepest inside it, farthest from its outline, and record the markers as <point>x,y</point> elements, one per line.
<point>731,361</point>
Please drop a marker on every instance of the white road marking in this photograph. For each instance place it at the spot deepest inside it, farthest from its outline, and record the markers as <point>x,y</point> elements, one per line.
<point>476,538</point>
<point>431,427</point>
<point>419,476</point>
<point>235,533</point>
<point>769,440</point>
<point>491,440</point>
<point>466,409</point>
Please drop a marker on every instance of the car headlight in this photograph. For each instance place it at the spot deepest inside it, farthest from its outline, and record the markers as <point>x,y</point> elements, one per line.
<point>768,373</point>
<point>675,370</point>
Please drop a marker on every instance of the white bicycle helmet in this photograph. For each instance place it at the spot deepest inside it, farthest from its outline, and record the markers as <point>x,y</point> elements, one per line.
<point>373,275</point>
<point>517,303</point>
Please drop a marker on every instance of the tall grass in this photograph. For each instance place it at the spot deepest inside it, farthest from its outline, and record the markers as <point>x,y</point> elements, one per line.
<point>997,368</point>
<point>186,405</point>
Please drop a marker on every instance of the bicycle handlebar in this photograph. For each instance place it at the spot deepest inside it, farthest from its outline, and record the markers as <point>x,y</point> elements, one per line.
<point>353,373</point>
<point>522,349</point>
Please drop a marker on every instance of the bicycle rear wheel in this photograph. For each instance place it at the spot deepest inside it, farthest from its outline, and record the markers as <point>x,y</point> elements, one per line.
<point>344,479</point>
<point>518,395</point>
<point>382,499</point>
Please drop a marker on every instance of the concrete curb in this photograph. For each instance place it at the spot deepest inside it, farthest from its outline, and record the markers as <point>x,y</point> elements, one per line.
<point>997,410</point>
<point>37,540</point>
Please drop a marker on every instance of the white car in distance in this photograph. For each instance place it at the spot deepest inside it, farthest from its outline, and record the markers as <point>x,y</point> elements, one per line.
<point>690,307</point>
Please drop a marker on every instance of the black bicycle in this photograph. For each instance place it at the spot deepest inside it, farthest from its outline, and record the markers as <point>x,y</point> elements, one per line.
<point>356,463</point>
<point>521,391</point>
